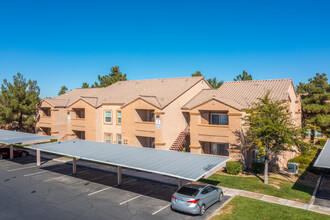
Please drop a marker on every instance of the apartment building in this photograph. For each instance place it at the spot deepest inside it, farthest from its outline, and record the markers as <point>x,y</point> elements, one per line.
<point>140,113</point>
<point>216,116</point>
<point>175,113</point>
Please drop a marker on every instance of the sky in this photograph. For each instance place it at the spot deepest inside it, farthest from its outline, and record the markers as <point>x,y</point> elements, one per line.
<point>70,42</point>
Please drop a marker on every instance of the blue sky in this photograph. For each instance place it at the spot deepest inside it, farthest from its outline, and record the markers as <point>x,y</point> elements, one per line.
<point>70,42</point>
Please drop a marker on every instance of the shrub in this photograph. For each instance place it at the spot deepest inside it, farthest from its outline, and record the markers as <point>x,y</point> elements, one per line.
<point>233,167</point>
<point>321,141</point>
<point>258,167</point>
<point>301,159</point>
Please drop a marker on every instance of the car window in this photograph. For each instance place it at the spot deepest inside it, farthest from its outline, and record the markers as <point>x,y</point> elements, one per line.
<point>205,191</point>
<point>188,191</point>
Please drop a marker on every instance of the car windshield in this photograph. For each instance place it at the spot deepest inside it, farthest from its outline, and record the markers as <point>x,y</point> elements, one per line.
<point>188,191</point>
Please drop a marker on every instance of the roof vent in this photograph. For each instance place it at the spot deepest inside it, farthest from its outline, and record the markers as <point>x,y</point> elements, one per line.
<point>162,80</point>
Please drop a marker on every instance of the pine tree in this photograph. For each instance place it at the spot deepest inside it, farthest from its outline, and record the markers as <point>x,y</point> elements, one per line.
<point>315,103</point>
<point>18,101</point>
<point>197,73</point>
<point>243,77</point>
<point>63,90</point>
<point>212,81</point>
<point>270,130</point>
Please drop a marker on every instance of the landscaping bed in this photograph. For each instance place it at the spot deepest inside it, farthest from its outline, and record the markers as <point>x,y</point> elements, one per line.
<point>247,208</point>
<point>277,187</point>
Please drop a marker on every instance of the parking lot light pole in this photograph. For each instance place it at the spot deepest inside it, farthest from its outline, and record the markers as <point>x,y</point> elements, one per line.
<point>38,157</point>
<point>11,153</point>
<point>179,183</point>
<point>74,165</point>
<point>118,175</point>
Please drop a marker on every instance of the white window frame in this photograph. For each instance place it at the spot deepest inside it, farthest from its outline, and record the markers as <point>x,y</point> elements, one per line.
<point>105,120</point>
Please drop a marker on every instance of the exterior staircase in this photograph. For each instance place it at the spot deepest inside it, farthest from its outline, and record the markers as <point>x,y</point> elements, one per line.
<point>181,140</point>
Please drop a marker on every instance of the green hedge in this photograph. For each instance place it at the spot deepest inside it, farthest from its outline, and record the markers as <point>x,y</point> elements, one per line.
<point>258,167</point>
<point>322,141</point>
<point>301,159</point>
<point>233,167</point>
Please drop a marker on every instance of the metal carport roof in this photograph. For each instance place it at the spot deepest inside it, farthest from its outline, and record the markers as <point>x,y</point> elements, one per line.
<point>15,137</point>
<point>323,160</point>
<point>180,165</point>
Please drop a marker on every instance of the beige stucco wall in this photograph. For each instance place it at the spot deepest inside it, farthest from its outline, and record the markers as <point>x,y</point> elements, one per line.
<point>132,127</point>
<point>202,131</point>
<point>174,121</point>
<point>113,128</point>
<point>87,124</point>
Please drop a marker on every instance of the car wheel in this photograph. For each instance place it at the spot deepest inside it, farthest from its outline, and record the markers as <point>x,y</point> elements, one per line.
<point>1,157</point>
<point>220,197</point>
<point>24,154</point>
<point>202,210</point>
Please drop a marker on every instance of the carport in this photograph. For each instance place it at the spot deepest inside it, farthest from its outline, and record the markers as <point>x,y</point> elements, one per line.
<point>323,160</point>
<point>180,165</point>
<point>14,137</point>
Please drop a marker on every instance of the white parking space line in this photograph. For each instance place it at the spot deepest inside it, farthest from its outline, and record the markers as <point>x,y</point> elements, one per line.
<point>22,168</point>
<point>100,190</point>
<point>55,178</point>
<point>45,171</point>
<point>31,174</point>
<point>134,198</point>
<point>62,176</point>
<point>161,209</point>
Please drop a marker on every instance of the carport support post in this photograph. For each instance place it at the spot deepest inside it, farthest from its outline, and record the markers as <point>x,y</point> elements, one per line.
<point>74,165</point>
<point>11,153</point>
<point>118,175</point>
<point>179,183</point>
<point>38,157</point>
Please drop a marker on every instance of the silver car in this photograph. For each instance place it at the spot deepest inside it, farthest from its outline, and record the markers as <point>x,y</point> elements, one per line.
<point>196,197</point>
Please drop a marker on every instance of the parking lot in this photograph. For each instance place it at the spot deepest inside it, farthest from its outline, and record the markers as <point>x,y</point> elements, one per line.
<point>51,191</point>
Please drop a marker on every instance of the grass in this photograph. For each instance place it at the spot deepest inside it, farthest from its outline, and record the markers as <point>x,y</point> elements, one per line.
<point>247,208</point>
<point>285,189</point>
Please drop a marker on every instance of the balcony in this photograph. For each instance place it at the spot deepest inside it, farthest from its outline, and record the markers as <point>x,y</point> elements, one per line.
<point>45,121</point>
<point>145,128</point>
<point>78,124</point>
<point>216,133</point>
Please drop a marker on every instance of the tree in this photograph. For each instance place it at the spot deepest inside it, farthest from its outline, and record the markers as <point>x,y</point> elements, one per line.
<point>109,79</point>
<point>18,101</point>
<point>212,81</point>
<point>270,130</point>
<point>197,73</point>
<point>85,85</point>
<point>315,103</point>
<point>243,77</point>
<point>63,90</point>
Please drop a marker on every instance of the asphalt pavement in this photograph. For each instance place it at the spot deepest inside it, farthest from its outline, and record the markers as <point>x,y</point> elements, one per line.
<point>52,192</point>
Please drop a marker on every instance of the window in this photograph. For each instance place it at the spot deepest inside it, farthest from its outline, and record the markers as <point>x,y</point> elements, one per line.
<point>219,119</point>
<point>188,191</point>
<point>118,117</point>
<point>118,138</point>
<point>257,158</point>
<point>308,133</point>
<point>318,134</point>
<point>108,116</point>
<point>219,149</point>
<point>108,138</point>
